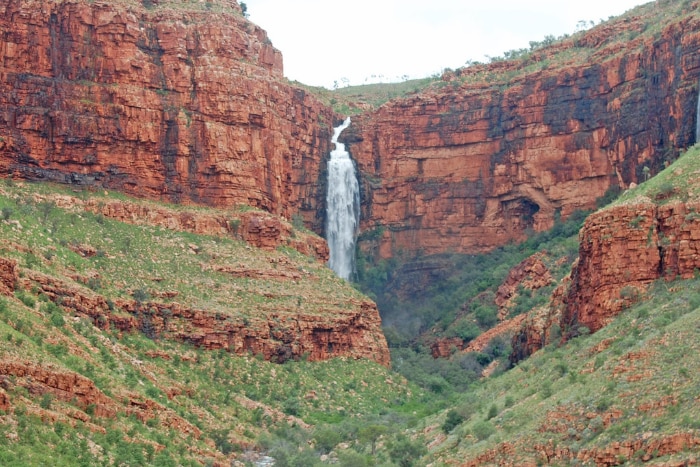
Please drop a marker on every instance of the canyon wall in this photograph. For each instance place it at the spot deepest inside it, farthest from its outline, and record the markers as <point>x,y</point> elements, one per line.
<point>623,250</point>
<point>190,105</point>
<point>183,104</point>
<point>474,165</point>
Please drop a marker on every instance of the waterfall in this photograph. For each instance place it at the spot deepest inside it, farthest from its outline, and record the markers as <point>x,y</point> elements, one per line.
<point>343,207</point>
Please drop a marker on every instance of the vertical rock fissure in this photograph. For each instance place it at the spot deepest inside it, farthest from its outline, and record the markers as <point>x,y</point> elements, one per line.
<point>343,207</point>
<point>697,119</point>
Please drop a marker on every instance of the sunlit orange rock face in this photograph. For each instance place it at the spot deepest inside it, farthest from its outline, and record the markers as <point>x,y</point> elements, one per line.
<point>474,165</point>
<point>184,106</point>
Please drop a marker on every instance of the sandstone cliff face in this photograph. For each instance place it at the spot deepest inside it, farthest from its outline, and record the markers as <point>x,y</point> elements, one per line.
<point>351,331</point>
<point>623,249</point>
<point>175,104</point>
<point>475,165</point>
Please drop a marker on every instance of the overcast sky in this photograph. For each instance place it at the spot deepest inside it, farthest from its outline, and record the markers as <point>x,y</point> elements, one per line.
<point>327,41</point>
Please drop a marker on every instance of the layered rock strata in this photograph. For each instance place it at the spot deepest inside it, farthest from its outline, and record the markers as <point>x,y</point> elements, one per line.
<point>257,228</point>
<point>623,249</point>
<point>179,104</point>
<point>473,165</point>
<point>353,330</point>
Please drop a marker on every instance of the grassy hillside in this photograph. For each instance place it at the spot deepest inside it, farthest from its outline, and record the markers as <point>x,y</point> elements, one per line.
<point>635,381</point>
<point>97,394</point>
<point>678,182</point>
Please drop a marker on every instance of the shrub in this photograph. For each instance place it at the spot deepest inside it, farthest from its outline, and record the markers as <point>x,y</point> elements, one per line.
<point>350,458</point>
<point>405,452</point>
<point>45,402</point>
<point>25,298</point>
<point>57,319</point>
<point>234,225</point>
<point>665,190</point>
<point>94,283</point>
<point>291,406</point>
<point>483,430</point>
<point>630,293</point>
<point>482,358</point>
<point>370,434</point>
<point>220,438</point>
<point>466,330</point>
<point>493,411</point>
<point>562,368</point>
<point>486,315</point>
<point>498,347</point>
<point>452,419</point>
<point>546,391</point>
<point>327,439</point>
<point>611,194</point>
<point>470,362</point>
<point>298,221</point>
<point>603,404</point>
<point>140,295</point>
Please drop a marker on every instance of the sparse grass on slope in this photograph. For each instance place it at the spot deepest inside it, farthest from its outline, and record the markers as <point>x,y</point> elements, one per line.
<point>638,378</point>
<point>678,182</point>
<point>622,34</point>
<point>164,402</point>
<point>129,258</point>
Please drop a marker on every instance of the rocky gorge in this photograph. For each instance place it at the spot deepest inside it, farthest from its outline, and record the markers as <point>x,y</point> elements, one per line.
<point>167,291</point>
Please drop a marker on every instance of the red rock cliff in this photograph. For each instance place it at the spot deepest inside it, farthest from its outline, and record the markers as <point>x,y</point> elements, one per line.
<point>623,249</point>
<point>176,104</point>
<point>474,165</point>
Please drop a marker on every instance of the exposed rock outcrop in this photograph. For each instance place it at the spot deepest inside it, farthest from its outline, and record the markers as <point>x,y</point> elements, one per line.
<point>67,386</point>
<point>180,104</point>
<point>444,348</point>
<point>474,165</point>
<point>530,274</point>
<point>623,249</point>
<point>351,330</point>
<point>258,228</point>
<point>8,276</point>
<point>642,449</point>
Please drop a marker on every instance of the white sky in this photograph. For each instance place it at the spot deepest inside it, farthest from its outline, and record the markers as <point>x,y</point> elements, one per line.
<point>324,41</point>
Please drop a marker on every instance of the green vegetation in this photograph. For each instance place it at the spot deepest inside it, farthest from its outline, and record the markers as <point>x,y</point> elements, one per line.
<point>353,100</point>
<point>638,374</point>
<point>167,402</point>
<point>590,42</point>
<point>461,303</point>
<point>677,182</point>
<point>351,412</point>
<point>131,261</point>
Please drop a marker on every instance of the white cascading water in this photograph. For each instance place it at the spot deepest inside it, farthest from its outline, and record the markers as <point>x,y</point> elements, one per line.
<point>343,207</point>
